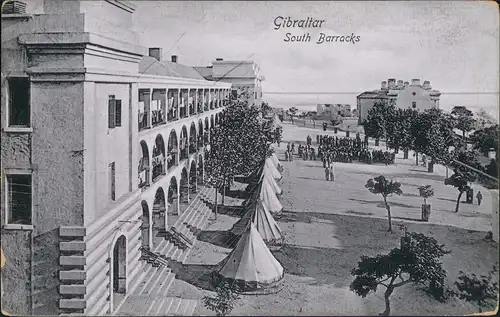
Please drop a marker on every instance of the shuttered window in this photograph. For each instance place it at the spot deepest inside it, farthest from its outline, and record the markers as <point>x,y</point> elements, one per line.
<point>118,113</point>
<point>114,112</point>
<point>111,113</point>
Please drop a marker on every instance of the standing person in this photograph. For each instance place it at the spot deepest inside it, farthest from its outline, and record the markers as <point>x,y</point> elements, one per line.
<point>327,173</point>
<point>479,197</point>
<point>332,172</point>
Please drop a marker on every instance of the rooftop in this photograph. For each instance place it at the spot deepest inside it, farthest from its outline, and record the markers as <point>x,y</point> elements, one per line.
<point>151,66</point>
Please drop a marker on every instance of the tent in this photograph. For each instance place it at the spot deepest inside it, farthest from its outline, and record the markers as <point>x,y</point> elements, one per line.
<point>272,169</point>
<point>251,266</point>
<point>275,160</point>
<point>272,182</point>
<point>269,198</point>
<point>268,228</point>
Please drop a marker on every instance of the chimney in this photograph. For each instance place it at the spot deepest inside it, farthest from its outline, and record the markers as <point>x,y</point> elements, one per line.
<point>13,7</point>
<point>400,82</point>
<point>406,84</point>
<point>174,58</point>
<point>415,82</point>
<point>383,86</point>
<point>427,85</point>
<point>218,59</point>
<point>156,53</point>
<point>392,83</point>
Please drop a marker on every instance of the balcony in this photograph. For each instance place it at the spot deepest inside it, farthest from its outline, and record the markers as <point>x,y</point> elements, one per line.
<point>183,112</point>
<point>158,167</point>
<point>158,117</point>
<point>206,137</point>
<point>143,120</point>
<point>171,159</point>
<point>200,107</point>
<point>184,153</point>
<point>200,141</point>
<point>192,147</point>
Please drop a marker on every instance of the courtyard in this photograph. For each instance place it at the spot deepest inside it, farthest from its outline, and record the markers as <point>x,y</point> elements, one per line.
<point>329,225</point>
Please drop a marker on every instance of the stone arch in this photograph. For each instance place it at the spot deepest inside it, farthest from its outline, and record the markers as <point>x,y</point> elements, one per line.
<point>199,169</point>
<point>146,228</point>
<point>206,132</point>
<point>173,150</point>
<point>193,178</point>
<point>173,202</point>
<point>200,133</point>
<point>117,255</point>
<point>158,161</point>
<point>158,215</point>
<point>184,190</point>
<point>143,170</point>
<point>183,143</point>
<point>192,138</point>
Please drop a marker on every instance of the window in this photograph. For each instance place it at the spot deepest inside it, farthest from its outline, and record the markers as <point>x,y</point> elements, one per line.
<point>413,93</point>
<point>19,199</point>
<point>114,112</point>
<point>413,104</point>
<point>112,178</point>
<point>19,102</point>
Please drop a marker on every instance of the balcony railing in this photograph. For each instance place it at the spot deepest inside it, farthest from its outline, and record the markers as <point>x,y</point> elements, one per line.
<point>171,159</point>
<point>158,170</point>
<point>200,141</point>
<point>158,117</point>
<point>143,120</point>
<point>183,112</point>
<point>192,147</point>
<point>144,178</point>
<point>191,109</point>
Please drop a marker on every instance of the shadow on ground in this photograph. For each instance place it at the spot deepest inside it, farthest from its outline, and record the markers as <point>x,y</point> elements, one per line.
<point>221,238</point>
<point>198,275</point>
<point>381,205</point>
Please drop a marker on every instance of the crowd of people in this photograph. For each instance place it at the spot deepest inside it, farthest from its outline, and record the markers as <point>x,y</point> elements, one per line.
<point>335,149</point>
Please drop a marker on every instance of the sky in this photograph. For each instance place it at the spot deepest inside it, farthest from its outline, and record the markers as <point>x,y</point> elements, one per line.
<point>453,44</point>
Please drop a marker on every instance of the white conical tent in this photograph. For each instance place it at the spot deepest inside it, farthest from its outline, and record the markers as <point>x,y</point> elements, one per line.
<point>268,197</point>
<point>251,266</point>
<point>268,228</point>
<point>272,169</point>
<point>272,182</point>
<point>275,160</point>
<point>266,225</point>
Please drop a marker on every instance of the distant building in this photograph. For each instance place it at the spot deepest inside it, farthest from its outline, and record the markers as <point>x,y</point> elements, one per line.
<point>403,94</point>
<point>243,75</point>
<point>330,109</point>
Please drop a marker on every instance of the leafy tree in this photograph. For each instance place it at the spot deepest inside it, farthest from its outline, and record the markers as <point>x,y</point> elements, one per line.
<point>377,120</point>
<point>484,120</point>
<point>237,145</point>
<point>464,119</point>
<point>460,180</point>
<point>433,135</point>
<point>292,112</point>
<point>380,185</point>
<point>492,168</point>
<point>482,290</point>
<point>486,139</point>
<point>426,192</point>
<point>224,301</point>
<point>417,262</point>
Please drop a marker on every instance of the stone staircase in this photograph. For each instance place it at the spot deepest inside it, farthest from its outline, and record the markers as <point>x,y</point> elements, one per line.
<point>149,297</point>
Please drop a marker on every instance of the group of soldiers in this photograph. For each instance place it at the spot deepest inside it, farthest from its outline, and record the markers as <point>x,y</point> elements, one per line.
<point>335,149</point>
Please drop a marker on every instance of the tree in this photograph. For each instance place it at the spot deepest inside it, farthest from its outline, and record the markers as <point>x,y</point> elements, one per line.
<point>486,139</point>
<point>426,192</point>
<point>433,135</point>
<point>484,119</point>
<point>292,112</point>
<point>417,262</point>
<point>482,290</point>
<point>237,146</point>
<point>464,120</point>
<point>224,301</point>
<point>460,180</point>
<point>380,185</point>
<point>376,122</point>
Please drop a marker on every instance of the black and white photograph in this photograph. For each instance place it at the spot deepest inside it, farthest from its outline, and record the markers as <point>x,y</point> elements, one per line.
<point>249,158</point>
